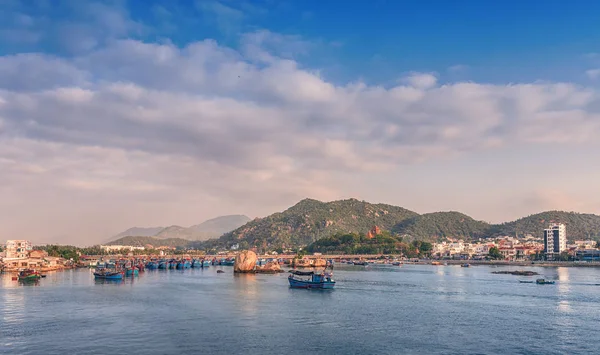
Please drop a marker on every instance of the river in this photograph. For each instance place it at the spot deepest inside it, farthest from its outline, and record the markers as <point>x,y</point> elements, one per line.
<point>412,309</point>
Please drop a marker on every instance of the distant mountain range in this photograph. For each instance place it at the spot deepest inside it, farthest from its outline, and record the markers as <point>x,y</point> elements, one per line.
<point>310,220</point>
<point>211,228</point>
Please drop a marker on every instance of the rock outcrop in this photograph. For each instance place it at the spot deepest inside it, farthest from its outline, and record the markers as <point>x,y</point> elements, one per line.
<point>245,262</point>
<point>271,267</point>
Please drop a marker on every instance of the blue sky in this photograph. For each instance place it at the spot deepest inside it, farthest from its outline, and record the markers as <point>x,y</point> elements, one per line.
<point>508,41</point>
<point>141,113</point>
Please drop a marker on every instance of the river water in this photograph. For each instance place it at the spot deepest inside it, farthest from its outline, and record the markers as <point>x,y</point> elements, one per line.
<point>413,309</point>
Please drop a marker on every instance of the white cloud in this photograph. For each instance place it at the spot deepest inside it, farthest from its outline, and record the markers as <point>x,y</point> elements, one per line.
<point>593,73</point>
<point>421,80</point>
<point>133,124</point>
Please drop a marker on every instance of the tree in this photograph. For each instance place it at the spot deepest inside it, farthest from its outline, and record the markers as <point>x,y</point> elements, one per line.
<point>494,253</point>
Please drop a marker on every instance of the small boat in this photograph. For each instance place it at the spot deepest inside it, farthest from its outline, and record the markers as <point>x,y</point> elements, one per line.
<point>173,264</point>
<point>310,280</point>
<point>544,282</point>
<point>525,282</point>
<point>163,265</point>
<point>228,262</point>
<point>180,265</point>
<point>108,275</point>
<point>397,263</point>
<point>152,265</point>
<point>465,265</point>
<point>435,263</point>
<point>132,272</point>
<point>196,264</point>
<point>361,263</point>
<point>29,275</point>
<point>206,263</point>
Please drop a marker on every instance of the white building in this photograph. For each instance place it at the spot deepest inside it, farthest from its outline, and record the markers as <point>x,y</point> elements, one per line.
<point>18,249</point>
<point>555,239</point>
<point>120,247</point>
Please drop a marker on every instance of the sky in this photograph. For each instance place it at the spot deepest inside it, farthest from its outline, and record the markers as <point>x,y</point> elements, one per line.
<point>116,114</point>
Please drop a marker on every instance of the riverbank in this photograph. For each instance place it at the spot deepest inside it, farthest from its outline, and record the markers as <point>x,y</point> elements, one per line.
<point>515,263</point>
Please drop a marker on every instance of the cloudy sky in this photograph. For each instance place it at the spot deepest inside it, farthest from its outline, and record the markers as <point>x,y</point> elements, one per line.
<point>116,114</point>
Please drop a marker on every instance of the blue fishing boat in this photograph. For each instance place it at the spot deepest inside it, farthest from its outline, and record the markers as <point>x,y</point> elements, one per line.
<point>108,275</point>
<point>196,263</point>
<point>180,265</point>
<point>163,265</point>
<point>206,263</point>
<point>228,262</point>
<point>152,265</point>
<point>132,272</point>
<point>310,280</point>
<point>173,264</point>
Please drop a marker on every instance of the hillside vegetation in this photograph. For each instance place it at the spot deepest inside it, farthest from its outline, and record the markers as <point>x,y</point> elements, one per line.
<point>432,226</point>
<point>310,220</point>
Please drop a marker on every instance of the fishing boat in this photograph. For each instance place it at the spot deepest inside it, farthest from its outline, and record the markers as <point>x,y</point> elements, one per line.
<point>397,263</point>
<point>108,275</point>
<point>544,282</point>
<point>152,265</point>
<point>525,282</point>
<point>435,263</point>
<point>361,263</point>
<point>465,265</point>
<point>29,275</point>
<point>196,264</point>
<point>206,263</point>
<point>163,265</point>
<point>173,264</point>
<point>187,264</point>
<point>228,262</point>
<point>310,280</point>
<point>132,272</point>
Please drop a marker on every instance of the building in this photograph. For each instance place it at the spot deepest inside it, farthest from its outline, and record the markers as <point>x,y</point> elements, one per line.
<point>555,239</point>
<point>109,248</point>
<point>18,249</point>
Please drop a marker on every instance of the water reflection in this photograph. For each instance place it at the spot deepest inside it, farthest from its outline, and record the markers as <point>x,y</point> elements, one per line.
<point>108,282</point>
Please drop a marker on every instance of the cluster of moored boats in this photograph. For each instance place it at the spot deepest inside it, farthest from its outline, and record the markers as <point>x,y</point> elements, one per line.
<point>118,269</point>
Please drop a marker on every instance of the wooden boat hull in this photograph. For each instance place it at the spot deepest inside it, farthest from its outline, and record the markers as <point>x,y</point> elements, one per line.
<point>294,283</point>
<point>30,278</point>
<point>111,276</point>
<point>131,272</point>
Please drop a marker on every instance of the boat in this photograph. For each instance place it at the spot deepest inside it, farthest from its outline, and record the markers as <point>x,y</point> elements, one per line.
<point>29,275</point>
<point>163,265</point>
<point>152,265</point>
<point>310,280</point>
<point>361,263</point>
<point>108,275</point>
<point>196,264</point>
<point>173,264</point>
<point>180,265</point>
<point>465,265</point>
<point>397,263</point>
<point>435,263</point>
<point>206,263</point>
<point>132,272</point>
<point>525,282</point>
<point>544,282</point>
<point>228,262</point>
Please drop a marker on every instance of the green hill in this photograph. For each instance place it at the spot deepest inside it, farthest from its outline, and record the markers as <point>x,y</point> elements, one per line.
<point>310,220</point>
<point>579,225</point>
<point>432,226</point>
<point>155,242</point>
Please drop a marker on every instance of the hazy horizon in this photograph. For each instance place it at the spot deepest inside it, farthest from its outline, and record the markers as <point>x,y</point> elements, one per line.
<point>116,114</point>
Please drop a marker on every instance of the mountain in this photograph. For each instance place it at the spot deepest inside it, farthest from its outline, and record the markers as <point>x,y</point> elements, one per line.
<point>579,225</point>
<point>142,232</point>
<point>138,241</point>
<point>310,219</point>
<point>431,226</point>
<point>211,228</point>
<point>216,227</point>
